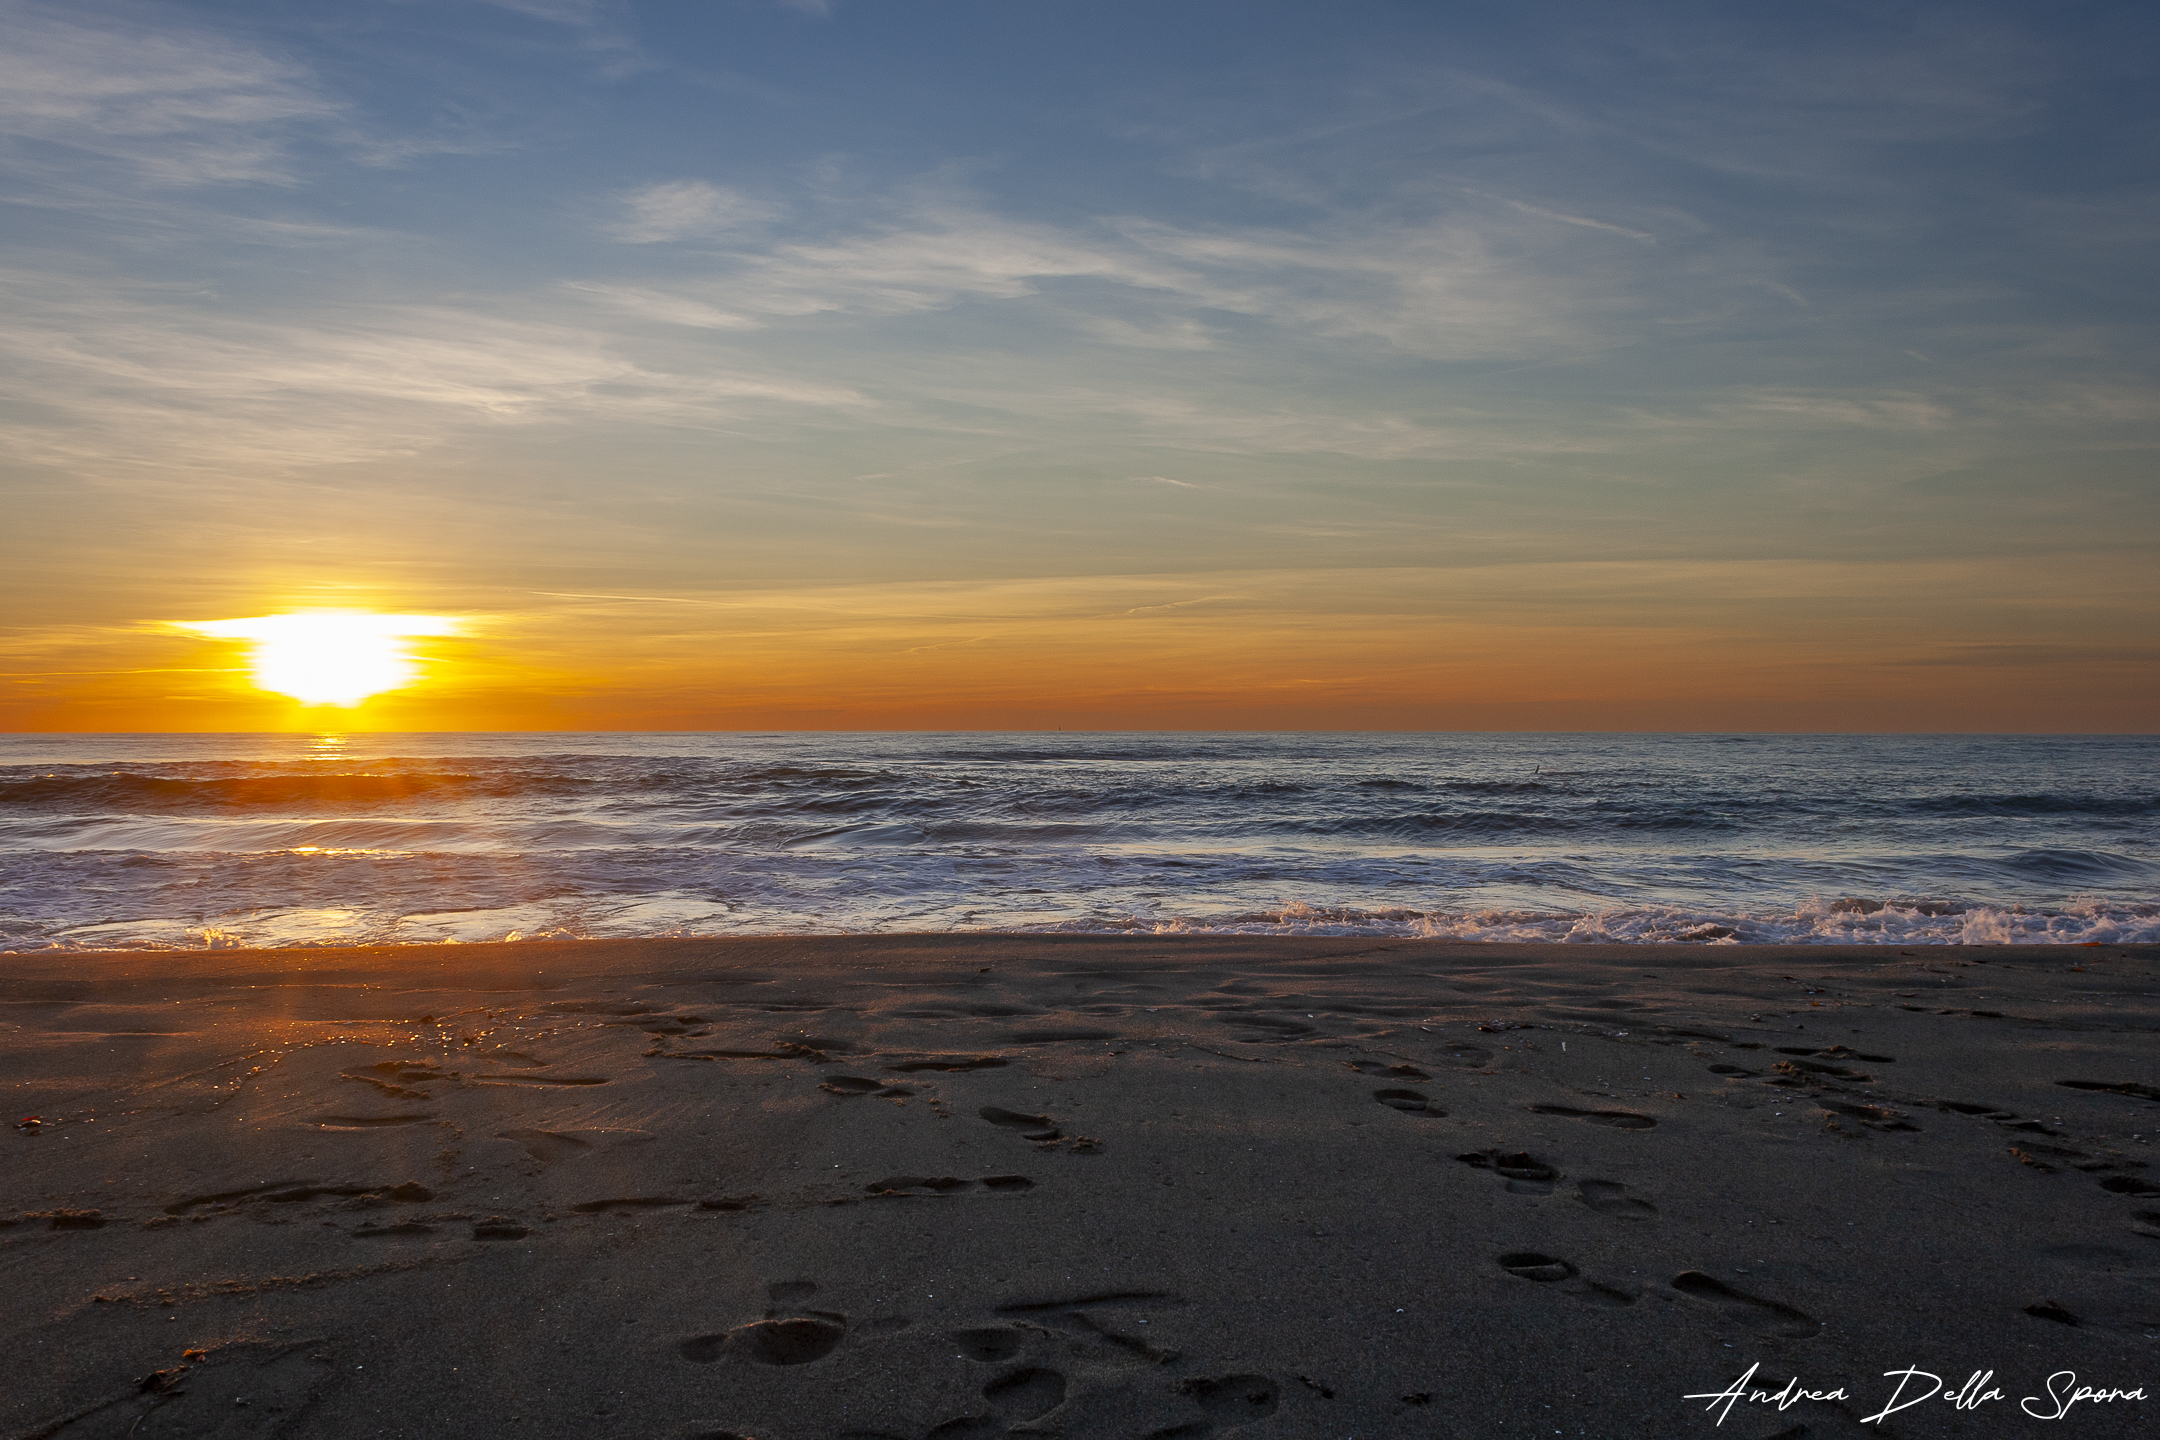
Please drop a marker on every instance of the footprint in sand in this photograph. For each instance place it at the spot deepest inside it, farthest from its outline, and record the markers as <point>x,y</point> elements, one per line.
<point>1616,1119</point>
<point>1023,1391</point>
<point>951,1063</point>
<point>847,1085</point>
<point>990,1345</point>
<point>1531,1265</point>
<point>1276,1028</point>
<point>1026,1394</point>
<point>1765,1316</point>
<point>1083,1316</point>
<point>1610,1197</point>
<point>400,1079</point>
<point>1410,1102</point>
<point>627,1203</point>
<point>2114,1087</point>
<point>1525,1173</point>
<point>1803,1069</point>
<point>1381,1067</point>
<point>498,1081</point>
<point>1835,1052</point>
<point>369,1122</point>
<point>1041,1129</point>
<point>1542,1269</point>
<point>238,1389</point>
<point>2029,1127</point>
<point>778,1339</point>
<point>1234,1399</point>
<point>1875,1117</point>
<point>900,1187</point>
<point>292,1192</point>
<point>600,1007</point>
<point>64,1219</point>
<point>501,1056</point>
<point>2129,1185</point>
<point>896,1186</point>
<point>768,1342</point>
<point>1030,1127</point>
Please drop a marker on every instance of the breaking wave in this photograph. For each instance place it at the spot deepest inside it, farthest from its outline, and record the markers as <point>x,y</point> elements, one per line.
<point>144,842</point>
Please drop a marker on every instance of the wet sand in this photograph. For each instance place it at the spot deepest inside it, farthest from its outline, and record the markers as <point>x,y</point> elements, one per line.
<point>974,1186</point>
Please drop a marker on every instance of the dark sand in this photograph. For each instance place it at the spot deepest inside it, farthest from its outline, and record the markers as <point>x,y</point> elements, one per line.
<point>970,1186</point>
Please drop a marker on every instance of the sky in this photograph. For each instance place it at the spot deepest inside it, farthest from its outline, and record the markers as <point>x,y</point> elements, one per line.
<point>997,364</point>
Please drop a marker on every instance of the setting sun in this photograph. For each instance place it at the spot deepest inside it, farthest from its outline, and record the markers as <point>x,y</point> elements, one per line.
<point>330,657</point>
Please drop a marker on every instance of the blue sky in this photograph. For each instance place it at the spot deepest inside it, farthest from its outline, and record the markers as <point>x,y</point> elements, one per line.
<point>1752,351</point>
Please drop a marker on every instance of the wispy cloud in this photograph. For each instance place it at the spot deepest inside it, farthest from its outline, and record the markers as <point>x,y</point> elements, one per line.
<point>1167,333</point>
<point>182,106</point>
<point>1580,220</point>
<point>942,254</point>
<point>1445,288</point>
<point>561,12</point>
<point>2028,656</point>
<point>663,306</point>
<point>133,376</point>
<point>1191,422</point>
<point>1879,411</point>
<point>685,210</point>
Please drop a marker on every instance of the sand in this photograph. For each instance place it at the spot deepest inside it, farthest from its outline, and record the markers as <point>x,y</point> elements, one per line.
<point>972,1186</point>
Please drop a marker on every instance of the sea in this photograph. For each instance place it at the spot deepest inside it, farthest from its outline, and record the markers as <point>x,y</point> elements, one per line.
<point>192,841</point>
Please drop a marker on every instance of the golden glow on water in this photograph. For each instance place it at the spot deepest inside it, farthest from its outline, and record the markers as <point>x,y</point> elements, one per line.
<point>330,657</point>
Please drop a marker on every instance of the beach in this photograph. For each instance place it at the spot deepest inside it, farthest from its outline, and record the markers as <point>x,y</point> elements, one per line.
<point>803,1188</point>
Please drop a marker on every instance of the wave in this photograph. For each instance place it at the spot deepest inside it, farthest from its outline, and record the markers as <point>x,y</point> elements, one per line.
<point>2075,866</point>
<point>212,839</point>
<point>138,793</point>
<point>1815,922</point>
<point>266,840</point>
<point>1498,824</point>
<point>1818,921</point>
<point>1508,787</point>
<point>1984,806</point>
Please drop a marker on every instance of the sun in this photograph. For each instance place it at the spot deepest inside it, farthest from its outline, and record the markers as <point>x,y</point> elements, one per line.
<point>330,657</point>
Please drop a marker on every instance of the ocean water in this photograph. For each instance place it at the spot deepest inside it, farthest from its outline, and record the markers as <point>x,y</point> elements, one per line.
<point>193,840</point>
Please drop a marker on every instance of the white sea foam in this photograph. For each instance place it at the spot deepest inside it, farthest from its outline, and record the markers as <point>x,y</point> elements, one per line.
<point>1818,922</point>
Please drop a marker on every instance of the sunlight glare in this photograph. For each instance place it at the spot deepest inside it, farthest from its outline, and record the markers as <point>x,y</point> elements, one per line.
<point>330,657</point>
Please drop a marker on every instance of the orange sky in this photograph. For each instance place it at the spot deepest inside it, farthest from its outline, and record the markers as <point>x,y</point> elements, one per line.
<point>1610,645</point>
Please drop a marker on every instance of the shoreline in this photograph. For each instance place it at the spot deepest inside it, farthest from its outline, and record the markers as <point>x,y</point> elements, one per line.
<point>918,938</point>
<point>977,1185</point>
